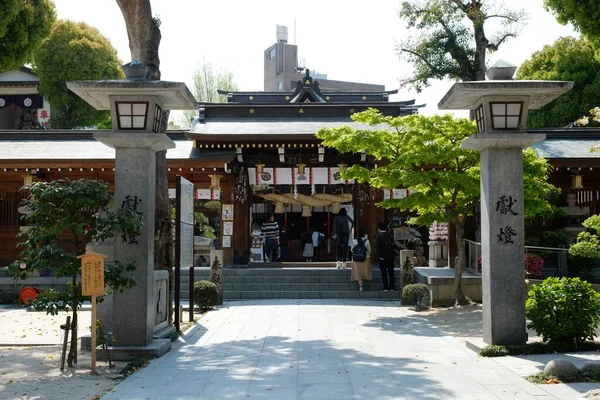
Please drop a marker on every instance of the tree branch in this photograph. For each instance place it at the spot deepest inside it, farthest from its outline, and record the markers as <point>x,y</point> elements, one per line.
<point>495,46</point>
<point>431,67</point>
<point>507,17</point>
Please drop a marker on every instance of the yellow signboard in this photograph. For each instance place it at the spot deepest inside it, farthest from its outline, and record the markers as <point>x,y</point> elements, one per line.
<point>92,274</point>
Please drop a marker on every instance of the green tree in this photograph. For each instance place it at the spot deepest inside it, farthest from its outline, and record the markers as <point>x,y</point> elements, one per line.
<point>24,24</point>
<point>568,59</point>
<point>208,80</point>
<point>423,154</point>
<point>74,51</point>
<point>583,14</point>
<point>67,215</point>
<point>448,38</point>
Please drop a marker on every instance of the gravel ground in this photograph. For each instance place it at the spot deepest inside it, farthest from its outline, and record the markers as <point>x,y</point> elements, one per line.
<point>30,356</point>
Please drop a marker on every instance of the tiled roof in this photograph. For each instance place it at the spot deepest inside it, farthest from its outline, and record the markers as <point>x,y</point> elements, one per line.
<point>563,148</point>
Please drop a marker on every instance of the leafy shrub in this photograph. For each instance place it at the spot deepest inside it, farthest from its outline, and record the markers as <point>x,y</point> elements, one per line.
<point>416,294</point>
<point>564,311</point>
<point>205,294</point>
<point>494,350</point>
<point>533,266</point>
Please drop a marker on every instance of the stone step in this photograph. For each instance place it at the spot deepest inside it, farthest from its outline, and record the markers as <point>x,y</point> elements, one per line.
<point>284,279</point>
<point>292,283</point>
<point>349,294</point>
<point>230,272</point>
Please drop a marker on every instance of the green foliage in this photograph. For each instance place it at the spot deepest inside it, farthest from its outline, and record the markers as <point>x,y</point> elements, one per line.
<point>447,39</point>
<point>448,187</point>
<point>68,214</point>
<point>104,340</point>
<point>208,80</point>
<point>423,155</point>
<point>587,249</point>
<point>207,230</point>
<point>536,348</point>
<point>494,350</point>
<point>568,59</point>
<point>205,294</point>
<point>24,24</point>
<point>541,378</point>
<point>73,52</point>
<point>416,294</point>
<point>564,311</point>
<point>583,14</point>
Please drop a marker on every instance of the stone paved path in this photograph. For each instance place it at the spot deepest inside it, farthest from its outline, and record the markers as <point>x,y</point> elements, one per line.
<point>320,349</point>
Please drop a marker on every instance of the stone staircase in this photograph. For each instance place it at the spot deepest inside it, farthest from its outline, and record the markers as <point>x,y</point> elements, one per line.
<point>292,283</point>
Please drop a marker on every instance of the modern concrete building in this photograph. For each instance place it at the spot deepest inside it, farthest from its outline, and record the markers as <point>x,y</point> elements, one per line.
<point>283,69</point>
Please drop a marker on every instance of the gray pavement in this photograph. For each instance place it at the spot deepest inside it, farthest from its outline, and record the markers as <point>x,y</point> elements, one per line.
<point>330,350</point>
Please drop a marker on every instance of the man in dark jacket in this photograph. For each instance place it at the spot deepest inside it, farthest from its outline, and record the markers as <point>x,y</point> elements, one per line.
<point>342,224</point>
<point>387,253</point>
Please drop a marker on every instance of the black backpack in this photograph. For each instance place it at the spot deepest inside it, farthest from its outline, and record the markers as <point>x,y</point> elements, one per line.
<point>387,246</point>
<point>359,252</point>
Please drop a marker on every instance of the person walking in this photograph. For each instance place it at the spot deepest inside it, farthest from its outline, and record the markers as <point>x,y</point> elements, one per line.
<point>317,242</point>
<point>341,227</point>
<point>387,253</point>
<point>270,233</point>
<point>361,262</point>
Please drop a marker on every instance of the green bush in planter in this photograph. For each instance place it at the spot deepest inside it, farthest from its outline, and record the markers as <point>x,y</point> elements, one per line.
<point>416,294</point>
<point>564,312</point>
<point>205,294</point>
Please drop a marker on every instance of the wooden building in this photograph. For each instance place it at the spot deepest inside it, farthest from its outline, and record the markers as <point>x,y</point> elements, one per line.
<point>258,152</point>
<point>240,152</point>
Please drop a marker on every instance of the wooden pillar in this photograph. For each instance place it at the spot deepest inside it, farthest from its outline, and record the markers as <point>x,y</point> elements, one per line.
<point>241,224</point>
<point>227,198</point>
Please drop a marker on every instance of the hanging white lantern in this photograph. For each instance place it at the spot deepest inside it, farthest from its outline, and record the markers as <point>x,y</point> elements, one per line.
<point>306,211</point>
<point>279,208</point>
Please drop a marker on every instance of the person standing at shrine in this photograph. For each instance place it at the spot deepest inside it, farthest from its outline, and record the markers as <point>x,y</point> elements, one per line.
<point>270,233</point>
<point>387,254</point>
<point>342,225</point>
<point>318,239</point>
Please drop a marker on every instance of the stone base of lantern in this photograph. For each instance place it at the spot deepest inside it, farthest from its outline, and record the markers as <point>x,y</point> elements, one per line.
<point>438,253</point>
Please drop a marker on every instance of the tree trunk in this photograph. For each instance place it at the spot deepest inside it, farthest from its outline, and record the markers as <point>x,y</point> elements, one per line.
<point>481,46</point>
<point>143,32</point>
<point>71,357</point>
<point>460,298</point>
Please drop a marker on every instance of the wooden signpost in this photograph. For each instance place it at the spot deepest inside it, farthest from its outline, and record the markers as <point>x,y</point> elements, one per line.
<point>92,284</point>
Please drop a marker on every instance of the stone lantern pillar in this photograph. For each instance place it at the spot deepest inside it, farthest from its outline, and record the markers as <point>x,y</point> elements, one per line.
<point>136,104</point>
<point>500,106</point>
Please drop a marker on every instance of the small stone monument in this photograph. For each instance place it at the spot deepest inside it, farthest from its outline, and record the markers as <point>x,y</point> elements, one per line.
<point>137,105</point>
<point>500,109</point>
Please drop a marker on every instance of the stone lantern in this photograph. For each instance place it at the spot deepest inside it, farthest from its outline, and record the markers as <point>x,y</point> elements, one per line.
<point>500,108</point>
<point>137,105</point>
